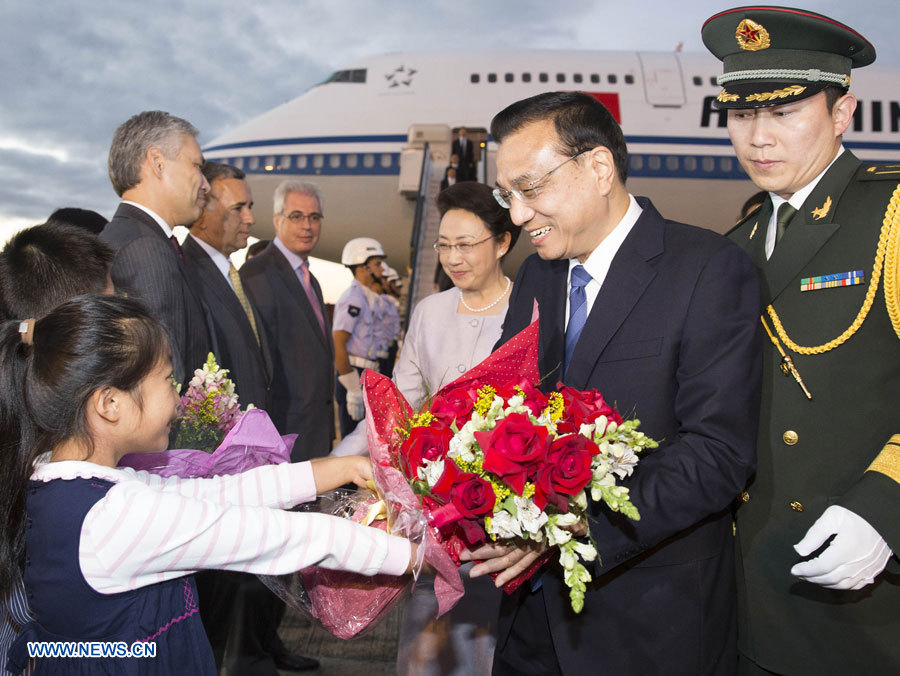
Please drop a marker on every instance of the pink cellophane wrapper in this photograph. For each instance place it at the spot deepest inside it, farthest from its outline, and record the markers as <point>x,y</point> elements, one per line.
<point>346,603</point>
<point>387,410</point>
<point>252,442</point>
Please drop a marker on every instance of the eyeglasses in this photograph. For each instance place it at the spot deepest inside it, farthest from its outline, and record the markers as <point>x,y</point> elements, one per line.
<point>463,248</point>
<point>297,217</point>
<point>528,190</point>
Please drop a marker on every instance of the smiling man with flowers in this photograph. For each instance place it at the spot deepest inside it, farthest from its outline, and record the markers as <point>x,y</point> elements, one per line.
<point>662,318</point>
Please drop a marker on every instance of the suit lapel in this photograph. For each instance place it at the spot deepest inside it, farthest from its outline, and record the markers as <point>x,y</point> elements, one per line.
<point>628,277</point>
<point>809,230</point>
<point>293,287</point>
<point>552,307</point>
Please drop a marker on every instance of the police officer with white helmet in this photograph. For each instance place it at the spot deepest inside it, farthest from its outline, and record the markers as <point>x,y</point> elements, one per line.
<point>356,338</point>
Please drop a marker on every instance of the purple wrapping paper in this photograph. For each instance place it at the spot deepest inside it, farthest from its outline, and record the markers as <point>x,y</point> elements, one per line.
<point>252,442</point>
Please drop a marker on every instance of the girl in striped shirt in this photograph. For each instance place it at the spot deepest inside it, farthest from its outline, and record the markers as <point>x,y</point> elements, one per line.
<point>108,552</point>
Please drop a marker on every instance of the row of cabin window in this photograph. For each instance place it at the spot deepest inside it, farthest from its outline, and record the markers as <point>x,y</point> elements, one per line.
<point>674,163</point>
<point>577,78</point>
<point>544,77</point>
<point>351,161</point>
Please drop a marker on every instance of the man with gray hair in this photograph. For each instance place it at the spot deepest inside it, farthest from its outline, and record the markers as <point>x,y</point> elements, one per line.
<point>154,166</point>
<point>294,323</point>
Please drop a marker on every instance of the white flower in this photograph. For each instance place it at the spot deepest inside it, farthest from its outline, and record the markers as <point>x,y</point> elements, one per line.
<point>585,550</point>
<point>431,472</point>
<point>623,460</point>
<point>587,431</point>
<point>579,500</point>
<point>567,558</point>
<point>504,525</point>
<point>530,517</point>
<point>461,447</point>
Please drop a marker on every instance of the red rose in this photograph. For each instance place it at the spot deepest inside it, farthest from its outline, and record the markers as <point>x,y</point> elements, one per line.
<point>583,408</point>
<point>535,400</point>
<point>424,443</point>
<point>449,478</point>
<point>566,472</point>
<point>473,496</point>
<point>513,449</point>
<point>455,404</point>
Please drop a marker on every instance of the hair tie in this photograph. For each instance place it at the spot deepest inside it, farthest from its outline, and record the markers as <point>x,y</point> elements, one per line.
<point>26,331</point>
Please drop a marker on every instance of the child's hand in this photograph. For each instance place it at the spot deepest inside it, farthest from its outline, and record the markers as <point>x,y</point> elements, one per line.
<point>332,472</point>
<point>360,471</point>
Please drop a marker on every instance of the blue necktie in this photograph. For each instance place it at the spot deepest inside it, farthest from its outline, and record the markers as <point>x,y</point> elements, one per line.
<point>577,310</point>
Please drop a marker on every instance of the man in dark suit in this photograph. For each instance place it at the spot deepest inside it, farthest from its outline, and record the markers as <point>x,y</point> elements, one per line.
<point>463,149</point>
<point>222,229</point>
<point>817,530</point>
<point>240,614</point>
<point>294,322</point>
<point>154,166</point>
<point>662,318</point>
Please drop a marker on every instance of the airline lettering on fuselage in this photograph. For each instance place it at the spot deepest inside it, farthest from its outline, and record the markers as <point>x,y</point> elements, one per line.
<point>869,115</point>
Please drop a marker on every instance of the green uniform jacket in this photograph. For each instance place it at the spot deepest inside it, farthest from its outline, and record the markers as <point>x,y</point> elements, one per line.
<point>837,448</point>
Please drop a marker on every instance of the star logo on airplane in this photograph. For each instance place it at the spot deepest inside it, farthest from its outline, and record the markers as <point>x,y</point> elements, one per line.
<point>751,36</point>
<point>400,77</point>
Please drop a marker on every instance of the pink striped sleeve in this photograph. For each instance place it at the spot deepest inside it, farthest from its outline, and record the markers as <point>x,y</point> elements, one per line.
<point>166,534</point>
<point>282,485</point>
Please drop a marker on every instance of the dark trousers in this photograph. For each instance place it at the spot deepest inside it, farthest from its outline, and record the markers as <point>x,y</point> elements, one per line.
<point>528,649</point>
<point>241,617</point>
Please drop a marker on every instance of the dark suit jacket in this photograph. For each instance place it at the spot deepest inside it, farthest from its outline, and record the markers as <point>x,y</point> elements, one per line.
<point>248,362</point>
<point>302,358</point>
<point>672,339</point>
<point>838,453</point>
<point>146,267</point>
<point>466,170</point>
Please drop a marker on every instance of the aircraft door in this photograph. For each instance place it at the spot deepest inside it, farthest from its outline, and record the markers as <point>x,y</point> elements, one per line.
<point>663,84</point>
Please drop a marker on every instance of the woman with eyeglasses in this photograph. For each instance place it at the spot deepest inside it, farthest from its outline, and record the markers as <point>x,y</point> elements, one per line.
<point>449,333</point>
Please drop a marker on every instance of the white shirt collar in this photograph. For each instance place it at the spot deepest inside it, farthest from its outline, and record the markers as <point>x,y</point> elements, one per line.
<point>155,216</point>
<point>796,201</point>
<point>222,262</point>
<point>44,470</point>
<point>292,258</point>
<point>598,263</point>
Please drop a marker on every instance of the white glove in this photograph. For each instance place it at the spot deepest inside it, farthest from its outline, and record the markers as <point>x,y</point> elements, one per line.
<point>855,556</point>
<point>355,406</point>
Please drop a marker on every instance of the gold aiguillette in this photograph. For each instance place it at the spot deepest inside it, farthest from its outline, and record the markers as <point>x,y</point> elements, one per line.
<point>787,364</point>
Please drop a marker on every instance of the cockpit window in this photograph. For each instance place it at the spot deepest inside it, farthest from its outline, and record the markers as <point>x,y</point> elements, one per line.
<point>355,75</point>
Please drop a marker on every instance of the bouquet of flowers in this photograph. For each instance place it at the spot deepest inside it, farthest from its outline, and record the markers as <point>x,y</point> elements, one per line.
<point>491,457</point>
<point>212,436</point>
<point>208,410</point>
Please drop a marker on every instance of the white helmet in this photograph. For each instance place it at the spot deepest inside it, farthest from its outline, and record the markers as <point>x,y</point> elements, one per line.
<point>357,251</point>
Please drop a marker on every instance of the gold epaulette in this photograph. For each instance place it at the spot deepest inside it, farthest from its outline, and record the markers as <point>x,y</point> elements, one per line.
<point>878,172</point>
<point>888,461</point>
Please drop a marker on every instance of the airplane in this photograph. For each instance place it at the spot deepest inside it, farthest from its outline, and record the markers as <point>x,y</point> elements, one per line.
<point>358,134</point>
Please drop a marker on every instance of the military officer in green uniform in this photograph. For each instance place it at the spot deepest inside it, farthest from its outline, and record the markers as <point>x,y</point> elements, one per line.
<point>819,523</point>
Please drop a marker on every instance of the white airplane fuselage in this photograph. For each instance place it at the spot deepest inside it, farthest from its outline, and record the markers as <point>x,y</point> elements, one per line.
<point>347,134</point>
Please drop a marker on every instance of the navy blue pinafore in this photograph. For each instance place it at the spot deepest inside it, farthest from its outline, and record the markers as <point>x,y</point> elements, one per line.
<point>68,609</point>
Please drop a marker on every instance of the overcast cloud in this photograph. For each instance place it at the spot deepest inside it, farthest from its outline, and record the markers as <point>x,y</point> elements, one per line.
<point>74,71</point>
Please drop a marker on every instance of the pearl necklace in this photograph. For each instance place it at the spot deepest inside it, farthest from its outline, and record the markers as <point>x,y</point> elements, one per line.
<point>486,307</point>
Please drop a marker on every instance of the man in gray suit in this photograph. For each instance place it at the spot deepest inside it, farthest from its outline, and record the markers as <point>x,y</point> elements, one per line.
<point>294,322</point>
<point>222,229</point>
<point>154,166</point>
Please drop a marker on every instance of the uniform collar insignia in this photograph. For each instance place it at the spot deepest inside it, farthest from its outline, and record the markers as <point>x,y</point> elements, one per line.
<point>753,232</point>
<point>823,210</point>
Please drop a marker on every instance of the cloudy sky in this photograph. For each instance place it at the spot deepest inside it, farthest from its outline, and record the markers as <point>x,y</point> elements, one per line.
<point>73,71</point>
